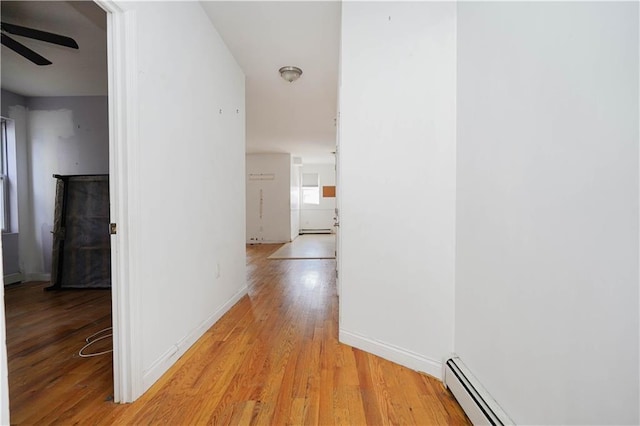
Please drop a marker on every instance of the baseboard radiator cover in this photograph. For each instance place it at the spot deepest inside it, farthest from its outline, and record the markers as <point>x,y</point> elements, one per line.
<point>476,402</point>
<point>314,231</point>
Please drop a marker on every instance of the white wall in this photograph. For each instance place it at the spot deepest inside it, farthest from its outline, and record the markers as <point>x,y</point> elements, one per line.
<point>268,200</point>
<point>397,124</point>
<point>53,135</point>
<point>319,216</point>
<point>9,99</point>
<point>66,135</point>
<point>189,229</point>
<point>547,228</point>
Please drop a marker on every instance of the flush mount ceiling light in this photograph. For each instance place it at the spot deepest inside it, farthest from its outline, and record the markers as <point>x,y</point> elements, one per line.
<point>290,74</point>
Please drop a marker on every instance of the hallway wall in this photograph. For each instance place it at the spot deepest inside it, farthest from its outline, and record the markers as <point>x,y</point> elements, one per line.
<point>518,176</point>
<point>269,198</point>
<point>188,220</point>
<point>547,228</point>
<point>397,124</point>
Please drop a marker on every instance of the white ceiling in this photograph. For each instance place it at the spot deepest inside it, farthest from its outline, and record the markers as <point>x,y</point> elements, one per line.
<point>264,36</point>
<point>296,118</point>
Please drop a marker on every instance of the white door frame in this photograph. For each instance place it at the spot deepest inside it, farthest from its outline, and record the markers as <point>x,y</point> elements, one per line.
<point>123,171</point>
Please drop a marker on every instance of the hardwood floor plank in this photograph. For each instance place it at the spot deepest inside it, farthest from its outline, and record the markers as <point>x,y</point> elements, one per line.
<point>372,411</point>
<point>273,359</point>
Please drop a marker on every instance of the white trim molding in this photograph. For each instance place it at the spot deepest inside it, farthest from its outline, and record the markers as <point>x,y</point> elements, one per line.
<point>12,278</point>
<point>37,277</point>
<point>172,354</point>
<point>393,353</point>
<point>123,161</point>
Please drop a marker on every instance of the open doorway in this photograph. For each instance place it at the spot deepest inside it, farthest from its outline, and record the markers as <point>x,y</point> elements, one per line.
<point>59,115</point>
<point>291,122</point>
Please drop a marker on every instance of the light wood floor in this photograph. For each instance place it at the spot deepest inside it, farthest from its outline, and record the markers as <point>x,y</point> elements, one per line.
<point>272,359</point>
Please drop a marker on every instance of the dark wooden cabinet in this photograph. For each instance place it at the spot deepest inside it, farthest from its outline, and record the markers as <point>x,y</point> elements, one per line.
<point>81,254</point>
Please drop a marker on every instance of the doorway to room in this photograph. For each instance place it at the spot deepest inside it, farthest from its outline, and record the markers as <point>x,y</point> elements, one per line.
<point>62,129</point>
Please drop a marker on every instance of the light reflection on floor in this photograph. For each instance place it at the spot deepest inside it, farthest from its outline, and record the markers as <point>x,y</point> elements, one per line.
<point>311,279</point>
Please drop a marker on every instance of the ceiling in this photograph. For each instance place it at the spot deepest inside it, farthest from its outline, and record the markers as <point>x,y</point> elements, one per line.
<point>264,36</point>
<point>81,72</point>
<point>296,118</point>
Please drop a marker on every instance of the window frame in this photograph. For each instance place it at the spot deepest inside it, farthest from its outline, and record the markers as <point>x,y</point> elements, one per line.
<point>311,192</point>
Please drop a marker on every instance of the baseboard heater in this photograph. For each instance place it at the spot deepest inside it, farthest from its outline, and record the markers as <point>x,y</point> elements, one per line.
<point>314,231</point>
<point>476,402</point>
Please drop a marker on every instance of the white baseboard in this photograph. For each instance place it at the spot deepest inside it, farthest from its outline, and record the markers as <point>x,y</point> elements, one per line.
<point>12,278</point>
<point>268,241</point>
<point>172,354</point>
<point>393,353</point>
<point>37,277</point>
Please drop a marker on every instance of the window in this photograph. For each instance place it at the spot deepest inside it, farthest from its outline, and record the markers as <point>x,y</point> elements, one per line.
<point>4,178</point>
<point>310,188</point>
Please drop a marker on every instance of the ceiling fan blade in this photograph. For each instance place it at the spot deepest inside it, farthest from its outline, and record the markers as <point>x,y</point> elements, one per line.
<point>39,35</point>
<point>23,50</point>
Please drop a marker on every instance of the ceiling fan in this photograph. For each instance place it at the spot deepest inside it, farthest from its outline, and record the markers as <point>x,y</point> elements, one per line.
<point>23,50</point>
